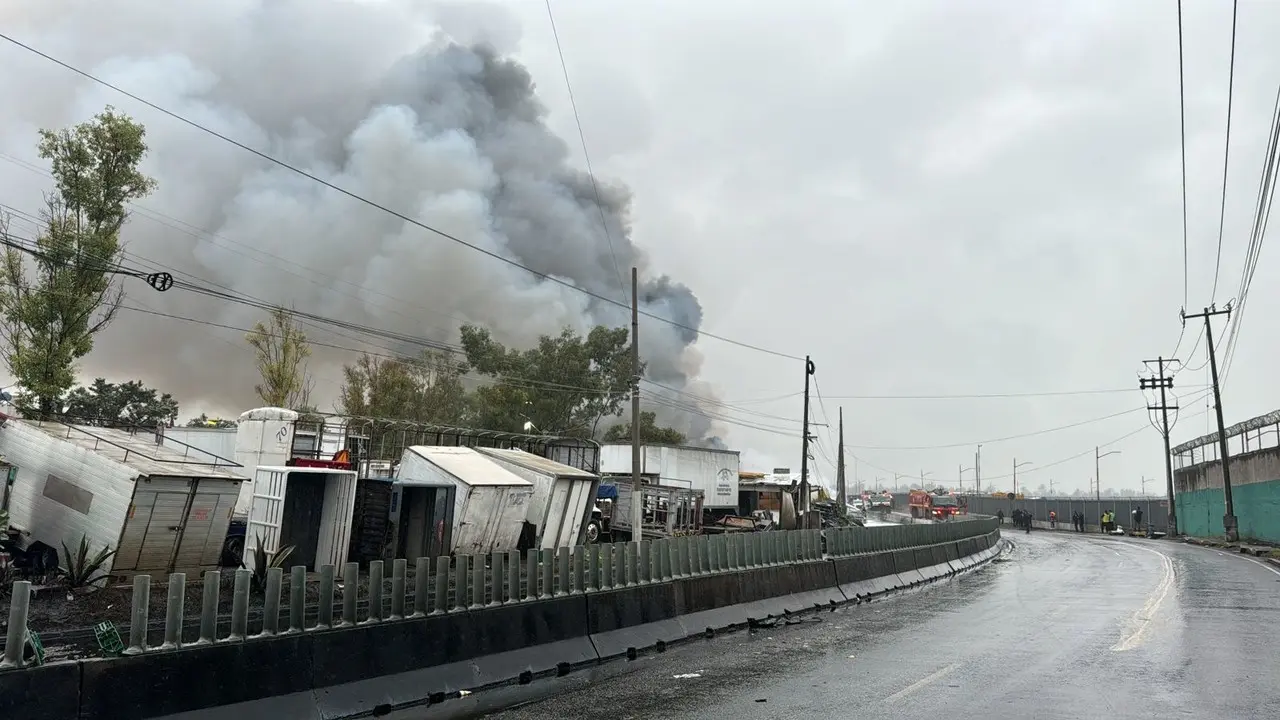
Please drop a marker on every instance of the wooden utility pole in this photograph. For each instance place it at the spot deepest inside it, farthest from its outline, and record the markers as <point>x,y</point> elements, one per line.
<point>803,508</point>
<point>1228,520</point>
<point>637,492</point>
<point>1164,383</point>
<point>841,496</point>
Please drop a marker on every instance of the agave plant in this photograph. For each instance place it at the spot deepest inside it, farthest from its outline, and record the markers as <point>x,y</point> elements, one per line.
<point>262,563</point>
<point>84,569</point>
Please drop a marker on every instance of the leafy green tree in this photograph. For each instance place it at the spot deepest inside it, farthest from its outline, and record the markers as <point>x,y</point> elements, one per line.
<point>280,351</point>
<point>57,291</point>
<point>650,432</point>
<point>427,389</point>
<point>565,385</point>
<point>129,404</point>
<point>203,420</point>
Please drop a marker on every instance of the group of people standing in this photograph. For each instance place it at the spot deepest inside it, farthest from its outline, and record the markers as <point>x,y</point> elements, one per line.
<point>1023,519</point>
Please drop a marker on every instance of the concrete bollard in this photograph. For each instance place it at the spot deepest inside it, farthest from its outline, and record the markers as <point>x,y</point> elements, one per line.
<point>139,617</point>
<point>562,571</point>
<point>440,604</point>
<point>240,605</point>
<point>324,614</point>
<point>497,579</point>
<point>399,571</point>
<point>664,560</point>
<point>297,598</point>
<point>350,590</point>
<point>683,550</point>
<point>175,606</point>
<point>462,573</point>
<point>547,560</point>
<point>606,567</point>
<point>531,575</point>
<point>513,576</point>
<point>271,602</point>
<point>705,555</point>
<point>632,551</point>
<point>209,607</point>
<point>645,548</point>
<point>377,591</point>
<point>579,569</point>
<point>593,567</point>
<point>15,641</point>
<point>421,586</point>
<point>477,581</point>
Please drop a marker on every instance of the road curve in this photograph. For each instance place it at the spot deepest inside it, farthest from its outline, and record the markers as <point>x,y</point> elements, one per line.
<point>1070,626</point>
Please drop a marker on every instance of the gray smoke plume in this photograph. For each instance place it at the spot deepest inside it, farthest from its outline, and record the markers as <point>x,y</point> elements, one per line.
<point>414,105</point>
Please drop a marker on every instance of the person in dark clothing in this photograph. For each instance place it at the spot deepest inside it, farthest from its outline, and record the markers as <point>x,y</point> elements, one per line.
<point>1000,516</point>
<point>1137,519</point>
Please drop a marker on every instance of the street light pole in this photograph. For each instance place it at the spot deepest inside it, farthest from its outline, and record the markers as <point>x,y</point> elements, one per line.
<point>1097,469</point>
<point>1017,465</point>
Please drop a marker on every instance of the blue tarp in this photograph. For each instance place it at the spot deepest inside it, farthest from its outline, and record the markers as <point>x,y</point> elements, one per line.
<point>607,492</point>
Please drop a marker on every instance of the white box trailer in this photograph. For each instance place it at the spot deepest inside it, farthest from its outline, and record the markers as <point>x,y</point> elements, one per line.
<point>307,508</point>
<point>714,472</point>
<point>162,509</point>
<point>487,510</point>
<point>563,496</point>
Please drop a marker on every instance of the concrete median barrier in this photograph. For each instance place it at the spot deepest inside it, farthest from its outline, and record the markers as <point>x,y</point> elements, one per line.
<point>374,666</point>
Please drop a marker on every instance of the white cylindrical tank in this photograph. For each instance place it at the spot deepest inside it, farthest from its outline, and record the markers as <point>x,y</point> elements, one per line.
<point>264,436</point>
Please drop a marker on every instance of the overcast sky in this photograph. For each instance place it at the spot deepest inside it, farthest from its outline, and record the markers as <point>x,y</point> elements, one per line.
<point>929,198</point>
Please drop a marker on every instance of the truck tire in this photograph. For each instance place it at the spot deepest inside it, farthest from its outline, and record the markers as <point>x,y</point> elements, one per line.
<point>593,532</point>
<point>232,551</point>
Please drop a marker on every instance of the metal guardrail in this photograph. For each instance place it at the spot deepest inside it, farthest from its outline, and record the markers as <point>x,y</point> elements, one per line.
<point>472,582</point>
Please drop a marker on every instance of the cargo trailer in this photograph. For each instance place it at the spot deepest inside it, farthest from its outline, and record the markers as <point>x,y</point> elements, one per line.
<point>563,496</point>
<point>459,501</point>
<point>714,472</point>
<point>304,507</point>
<point>162,508</point>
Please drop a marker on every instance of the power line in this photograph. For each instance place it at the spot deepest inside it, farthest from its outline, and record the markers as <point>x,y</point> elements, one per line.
<point>980,396</point>
<point>991,441</point>
<point>383,208</point>
<point>1226,153</point>
<point>582,138</point>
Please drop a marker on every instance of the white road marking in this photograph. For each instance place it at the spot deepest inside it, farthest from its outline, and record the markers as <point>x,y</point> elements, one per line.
<point>922,682</point>
<point>1142,619</point>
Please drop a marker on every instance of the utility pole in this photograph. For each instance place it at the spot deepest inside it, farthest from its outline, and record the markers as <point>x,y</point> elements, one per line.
<point>637,492</point>
<point>1050,487</point>
<point>804,449</point>
<point>1228,520</point>
<point>1017,465</point>
<point>1164,383</point>
<point>977,471</point>
<point>841,497</point>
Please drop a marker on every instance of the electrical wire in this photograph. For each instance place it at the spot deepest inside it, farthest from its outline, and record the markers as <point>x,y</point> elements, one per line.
<point>383,208</point>
<point>1226,153</point>
<point>582,138</point>
<point>992,441</point>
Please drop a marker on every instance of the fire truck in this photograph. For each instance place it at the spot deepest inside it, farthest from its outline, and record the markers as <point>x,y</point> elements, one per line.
<point>937,505</point>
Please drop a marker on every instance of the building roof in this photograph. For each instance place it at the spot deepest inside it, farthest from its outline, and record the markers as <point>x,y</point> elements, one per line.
<point>138,450</point>
<point>536,463</point>
<point>468,466</point>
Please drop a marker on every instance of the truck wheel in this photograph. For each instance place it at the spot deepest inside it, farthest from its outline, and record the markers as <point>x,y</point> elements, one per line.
<point>233,551</point>
<point>593,531</point>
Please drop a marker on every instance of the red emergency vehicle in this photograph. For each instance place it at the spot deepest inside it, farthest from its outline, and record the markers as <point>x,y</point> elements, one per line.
<point>937,505</point>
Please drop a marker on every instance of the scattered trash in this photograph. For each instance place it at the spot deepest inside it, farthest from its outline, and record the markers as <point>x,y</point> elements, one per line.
<point>762,699</point>
<point>463,693</point>
<point>686,676</point>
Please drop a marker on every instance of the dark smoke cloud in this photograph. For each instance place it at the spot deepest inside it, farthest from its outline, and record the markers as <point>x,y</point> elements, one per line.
<point>448,130</point>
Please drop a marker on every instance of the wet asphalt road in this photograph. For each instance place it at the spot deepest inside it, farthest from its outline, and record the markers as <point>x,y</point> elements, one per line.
<point>1068,627</point>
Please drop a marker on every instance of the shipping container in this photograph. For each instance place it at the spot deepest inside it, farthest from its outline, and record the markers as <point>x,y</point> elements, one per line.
<point>163,509</point>
<point>309,509</point>
<point>714,472</point>
<point>486,512</point>
<point>563,496</point>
